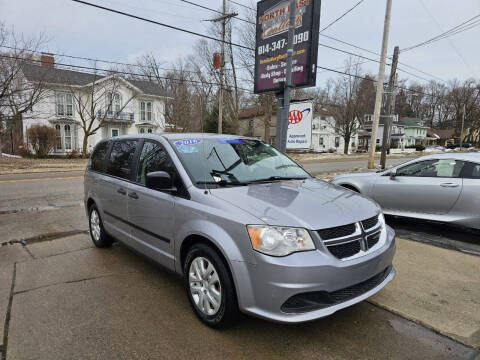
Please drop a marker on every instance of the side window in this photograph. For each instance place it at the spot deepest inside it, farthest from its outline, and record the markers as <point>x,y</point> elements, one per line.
<point>433,168</point>
<point>98,155</point>
<point>472,171</point>
<point>121,158</point>
<point>154,157</point>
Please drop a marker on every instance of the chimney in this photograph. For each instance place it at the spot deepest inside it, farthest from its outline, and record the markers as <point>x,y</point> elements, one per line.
<point>47,60</point>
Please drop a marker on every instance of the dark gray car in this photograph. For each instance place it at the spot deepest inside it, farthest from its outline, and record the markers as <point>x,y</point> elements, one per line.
<point>440,187</point>
<point>246,227</point>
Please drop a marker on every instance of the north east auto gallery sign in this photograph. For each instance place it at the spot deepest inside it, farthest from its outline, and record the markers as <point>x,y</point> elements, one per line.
<point>272,24</point>
<point>299,134</point>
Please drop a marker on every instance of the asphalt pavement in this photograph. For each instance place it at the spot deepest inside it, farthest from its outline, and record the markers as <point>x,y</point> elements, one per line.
<point>64,299</point>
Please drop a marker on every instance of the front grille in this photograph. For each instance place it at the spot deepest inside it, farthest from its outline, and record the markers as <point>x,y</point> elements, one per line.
<point>372,240</point>
<point>336,232</point>
<point>370,222</point>
<point>304,302</point>
<point>345,250</point>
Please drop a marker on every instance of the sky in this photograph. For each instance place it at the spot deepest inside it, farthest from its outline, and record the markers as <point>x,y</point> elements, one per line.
<point>79,30</point>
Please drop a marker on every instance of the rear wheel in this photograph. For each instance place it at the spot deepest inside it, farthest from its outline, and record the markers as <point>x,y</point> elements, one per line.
<point>97,232</point>
<point>209,287</point>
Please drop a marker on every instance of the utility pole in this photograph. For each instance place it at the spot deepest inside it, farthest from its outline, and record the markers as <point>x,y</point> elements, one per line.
<point>463,124</point>
<point>283,107</point>
<point>222,65</point>
<point>389,113</point>
<point>223,19</point>
<point>378,97</point>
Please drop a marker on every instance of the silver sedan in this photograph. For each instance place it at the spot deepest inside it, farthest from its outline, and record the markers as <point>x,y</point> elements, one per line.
<point>439,187</point>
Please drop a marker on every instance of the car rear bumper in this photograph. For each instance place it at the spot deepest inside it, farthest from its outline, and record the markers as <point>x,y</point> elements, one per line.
<point>266,288</point>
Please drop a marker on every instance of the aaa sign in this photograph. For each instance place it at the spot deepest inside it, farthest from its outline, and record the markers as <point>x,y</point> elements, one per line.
<point>299,135</point>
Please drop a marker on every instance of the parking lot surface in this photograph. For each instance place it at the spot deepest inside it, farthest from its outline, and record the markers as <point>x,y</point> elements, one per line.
<point>72,301</point>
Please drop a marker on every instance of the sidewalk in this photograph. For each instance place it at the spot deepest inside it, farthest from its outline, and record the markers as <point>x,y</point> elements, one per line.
<point>436,287</point>
<point>70,300</point>
<point>37,225</point>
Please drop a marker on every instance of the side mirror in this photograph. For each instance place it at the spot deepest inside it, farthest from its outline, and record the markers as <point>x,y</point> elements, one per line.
<point>159,180</point>
<point>393,174</point>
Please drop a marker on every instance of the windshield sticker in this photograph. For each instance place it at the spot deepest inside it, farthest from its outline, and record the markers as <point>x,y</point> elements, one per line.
<point>187,149</point>
<point>231,141</point>
<point>187,142</point>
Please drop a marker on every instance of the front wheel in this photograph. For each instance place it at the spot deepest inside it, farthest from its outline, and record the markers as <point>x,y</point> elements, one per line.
<point>209,287</point>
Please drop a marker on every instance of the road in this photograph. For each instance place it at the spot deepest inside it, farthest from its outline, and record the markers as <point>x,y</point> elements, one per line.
<point>319,167</point>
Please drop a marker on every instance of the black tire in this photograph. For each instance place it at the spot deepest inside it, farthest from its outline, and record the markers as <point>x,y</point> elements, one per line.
<point>103,239</point>
<point>228,311</point>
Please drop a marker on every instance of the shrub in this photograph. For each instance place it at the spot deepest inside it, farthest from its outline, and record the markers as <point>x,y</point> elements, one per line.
<point>74,154</point>
<point>419,147</point>
<point>24,150</point>
<point>42,139</point>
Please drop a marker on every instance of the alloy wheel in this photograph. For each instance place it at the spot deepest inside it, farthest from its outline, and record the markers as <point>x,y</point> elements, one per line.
<point>205,286</point>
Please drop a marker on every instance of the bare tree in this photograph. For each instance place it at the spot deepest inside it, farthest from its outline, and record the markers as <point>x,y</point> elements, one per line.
<point>96,102</point>
<point>17,95</point>
<point>345,102</point>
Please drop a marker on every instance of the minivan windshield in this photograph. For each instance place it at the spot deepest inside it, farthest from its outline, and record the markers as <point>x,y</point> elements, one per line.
<point>234,161</point>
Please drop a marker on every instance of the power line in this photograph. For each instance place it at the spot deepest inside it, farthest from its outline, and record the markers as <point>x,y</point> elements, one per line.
<point>159,23</point>
<point>449,40</point>
<point>213,10</point>
<point>242,5</point>
<point>342,16</point>
<point>466,25</point>
<point>389,57</point>
<point>107,71</point>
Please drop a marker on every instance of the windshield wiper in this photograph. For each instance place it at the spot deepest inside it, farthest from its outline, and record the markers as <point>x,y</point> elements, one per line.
<point>278,178</point>
<point>222,183</point>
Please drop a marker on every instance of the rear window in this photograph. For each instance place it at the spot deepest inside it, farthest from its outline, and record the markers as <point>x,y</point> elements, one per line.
<point>121,158</point>
<point>98,155</point>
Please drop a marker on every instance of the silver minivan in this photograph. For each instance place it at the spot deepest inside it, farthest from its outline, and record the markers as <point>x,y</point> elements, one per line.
<point>246,227</point>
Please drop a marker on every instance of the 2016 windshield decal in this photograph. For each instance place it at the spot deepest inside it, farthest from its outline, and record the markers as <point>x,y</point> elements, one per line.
<point>187,142</point>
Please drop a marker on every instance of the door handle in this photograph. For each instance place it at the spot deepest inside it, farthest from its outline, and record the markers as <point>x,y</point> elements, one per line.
<point>452,185</point>
<point>122,191</point>
<point>133,195</point>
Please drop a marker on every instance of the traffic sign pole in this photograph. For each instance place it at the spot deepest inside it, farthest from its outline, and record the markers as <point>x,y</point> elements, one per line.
<point>284,104</point>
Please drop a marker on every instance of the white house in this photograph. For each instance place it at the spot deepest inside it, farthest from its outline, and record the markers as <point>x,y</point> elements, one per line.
<point>123,106</point>
<point>405,131</point>
<point>325,136</point>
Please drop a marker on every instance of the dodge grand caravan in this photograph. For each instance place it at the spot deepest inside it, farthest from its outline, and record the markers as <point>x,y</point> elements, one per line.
<point>246,227</point>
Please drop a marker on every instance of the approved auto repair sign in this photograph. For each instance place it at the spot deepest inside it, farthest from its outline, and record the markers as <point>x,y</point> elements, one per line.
<point>271,43</point>
<point>299,134</point>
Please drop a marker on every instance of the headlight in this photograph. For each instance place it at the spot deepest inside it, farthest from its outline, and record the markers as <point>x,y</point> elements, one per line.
<point>279,241</point>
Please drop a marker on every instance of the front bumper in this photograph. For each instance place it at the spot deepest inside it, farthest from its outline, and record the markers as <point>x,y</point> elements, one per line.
<point>265,287</point>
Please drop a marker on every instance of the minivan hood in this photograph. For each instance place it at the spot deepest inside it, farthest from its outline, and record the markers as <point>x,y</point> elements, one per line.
<point>311,203</point>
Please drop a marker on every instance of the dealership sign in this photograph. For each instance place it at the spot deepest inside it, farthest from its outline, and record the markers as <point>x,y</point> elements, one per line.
<point>272,24</point>
<point>299,134</point>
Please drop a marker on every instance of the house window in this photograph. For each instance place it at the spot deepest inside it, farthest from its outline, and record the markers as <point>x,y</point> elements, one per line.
<point>149,131</point>
<point>142,131</point>
<point>114,103</point>
<point>64,103</point>
<point>146,110</point>
<point>68,137</point>
<point>58,138</point>
<point>337,141</point>
<point>323,118</point>
<point>320,141</point>
<point>114,132</point>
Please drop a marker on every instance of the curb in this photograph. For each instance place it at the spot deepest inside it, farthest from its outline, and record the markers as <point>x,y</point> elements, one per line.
<point>44,237</point>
